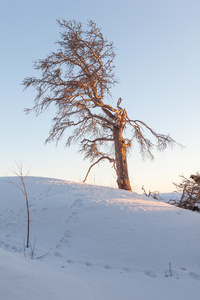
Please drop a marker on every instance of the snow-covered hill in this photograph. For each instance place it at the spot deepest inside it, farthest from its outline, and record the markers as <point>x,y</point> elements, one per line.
<point>95,243</point>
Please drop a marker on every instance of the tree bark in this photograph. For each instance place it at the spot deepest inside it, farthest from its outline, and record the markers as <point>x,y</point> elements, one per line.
<point>121,160</point>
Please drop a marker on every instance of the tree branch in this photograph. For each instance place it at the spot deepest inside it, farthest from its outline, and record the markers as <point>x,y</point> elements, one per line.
<point>103,157</point>
<point>145,144</point>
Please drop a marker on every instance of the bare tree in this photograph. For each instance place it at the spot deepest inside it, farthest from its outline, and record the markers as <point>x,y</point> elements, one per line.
<point>19,174</point>
<point>77,79</point>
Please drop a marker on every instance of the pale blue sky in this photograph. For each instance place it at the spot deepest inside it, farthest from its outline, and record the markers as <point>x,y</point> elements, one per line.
<point>158,63</point>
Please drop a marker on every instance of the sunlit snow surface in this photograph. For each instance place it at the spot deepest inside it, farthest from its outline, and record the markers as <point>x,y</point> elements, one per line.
<point>95,242</point>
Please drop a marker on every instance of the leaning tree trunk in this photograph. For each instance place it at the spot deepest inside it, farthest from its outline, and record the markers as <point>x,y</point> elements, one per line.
<point>120,159</point>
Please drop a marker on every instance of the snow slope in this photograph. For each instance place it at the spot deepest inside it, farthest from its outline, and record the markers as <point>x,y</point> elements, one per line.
<point>95,243</point>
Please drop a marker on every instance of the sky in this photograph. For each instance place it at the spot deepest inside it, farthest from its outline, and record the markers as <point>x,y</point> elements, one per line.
<point>157,62</point>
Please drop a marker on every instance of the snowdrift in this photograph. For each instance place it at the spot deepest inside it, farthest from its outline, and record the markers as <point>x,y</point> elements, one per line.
<point>92,242</point>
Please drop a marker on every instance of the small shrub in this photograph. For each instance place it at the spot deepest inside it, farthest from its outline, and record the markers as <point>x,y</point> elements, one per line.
<point>155,195</point>
<point>22,177</point>
<point>190,193</point>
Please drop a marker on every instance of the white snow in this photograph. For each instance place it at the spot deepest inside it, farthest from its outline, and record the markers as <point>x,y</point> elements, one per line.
<point>95,243</point>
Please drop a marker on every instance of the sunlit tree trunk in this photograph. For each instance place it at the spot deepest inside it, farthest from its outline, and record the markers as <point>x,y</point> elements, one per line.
<point>121,160</point>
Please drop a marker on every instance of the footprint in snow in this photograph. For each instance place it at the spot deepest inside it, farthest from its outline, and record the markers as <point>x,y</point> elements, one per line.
<point>88,264</point>
<point>107,267</point>
<point>69,261</point>
<point>57,254</point>
<point>77,203</point>
<point>150,274</point>
<point>72,218</point>
<point>126,269</point>
<point>194,275</point>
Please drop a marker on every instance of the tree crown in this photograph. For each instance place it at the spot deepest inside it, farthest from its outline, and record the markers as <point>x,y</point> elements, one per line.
<point>77,78</point>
